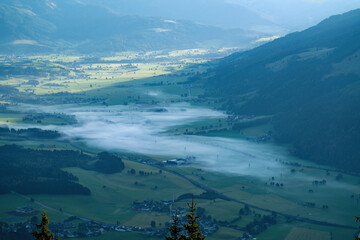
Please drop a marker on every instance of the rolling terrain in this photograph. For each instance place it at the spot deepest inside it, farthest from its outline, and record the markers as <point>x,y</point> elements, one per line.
<point>44,26</point>
<point>146,119</point>
<point>263,15</point>
<point>309,82</point>
<point>161,118</point>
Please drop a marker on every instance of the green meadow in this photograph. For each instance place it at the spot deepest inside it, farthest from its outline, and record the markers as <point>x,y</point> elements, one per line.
<point>148,82</point>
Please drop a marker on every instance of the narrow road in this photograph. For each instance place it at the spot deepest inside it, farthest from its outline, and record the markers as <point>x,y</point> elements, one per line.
<point>49,208</point>
<point>223,196</point>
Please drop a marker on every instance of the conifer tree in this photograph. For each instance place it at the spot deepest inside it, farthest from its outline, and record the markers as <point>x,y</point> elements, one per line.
<point>192,228</point>
<point>175,229</point>
<point>357,234</point>
<point>45,233</point>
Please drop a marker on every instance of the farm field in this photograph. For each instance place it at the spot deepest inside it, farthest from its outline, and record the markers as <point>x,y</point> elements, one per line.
<point>74,74</point>
<point>301,233</point>
<point>113,195</point>
<point>136,80</point>
<point>292,198</point>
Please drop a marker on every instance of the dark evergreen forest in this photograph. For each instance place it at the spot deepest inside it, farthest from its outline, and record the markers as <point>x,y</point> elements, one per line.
<point>30,171</point>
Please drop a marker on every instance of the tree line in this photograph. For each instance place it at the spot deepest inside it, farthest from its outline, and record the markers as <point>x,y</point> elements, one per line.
<point>30,171</point>
<point>29,132</point>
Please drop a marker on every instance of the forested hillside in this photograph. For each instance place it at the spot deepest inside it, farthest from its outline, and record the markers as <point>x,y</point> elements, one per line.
<point>309,82</point>
<point>31,171</point>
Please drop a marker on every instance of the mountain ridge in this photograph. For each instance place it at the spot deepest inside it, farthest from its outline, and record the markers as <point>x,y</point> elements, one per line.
<point>69,25</point>
<point>309,82</point>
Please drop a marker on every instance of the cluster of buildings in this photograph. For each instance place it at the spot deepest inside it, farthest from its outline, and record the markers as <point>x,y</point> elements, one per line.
<point>264,138</point>
<point>154,232</point>
<point>86,229</point>
<point>207,226</point>
<point>64,229</point>
<point>168,163</point>
<point>247,236</point>
<point>179,161</point>
<point>93,228</point>
<point>23,227</point>
<point>149,205</point>
<point>234,117</point>
<point>27,210</point>
<point>79,229</point>
<point>75,227</point>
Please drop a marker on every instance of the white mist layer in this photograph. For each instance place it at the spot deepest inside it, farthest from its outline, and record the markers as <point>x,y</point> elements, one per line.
<point>141,129</point>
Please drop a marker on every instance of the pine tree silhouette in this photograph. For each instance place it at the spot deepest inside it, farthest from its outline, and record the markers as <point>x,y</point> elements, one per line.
<point>45,233</point>
<point>192,227</point>
<point>175,229</point>
<point>357,234</point>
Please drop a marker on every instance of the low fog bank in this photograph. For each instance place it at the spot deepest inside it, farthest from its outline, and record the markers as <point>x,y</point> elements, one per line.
<point>142,129</point>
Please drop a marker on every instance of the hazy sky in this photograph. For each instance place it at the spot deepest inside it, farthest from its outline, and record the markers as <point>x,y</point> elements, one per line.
<point>297,12</point>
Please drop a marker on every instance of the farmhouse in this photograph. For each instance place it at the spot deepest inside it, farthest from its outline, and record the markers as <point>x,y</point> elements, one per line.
<point>179,161</point>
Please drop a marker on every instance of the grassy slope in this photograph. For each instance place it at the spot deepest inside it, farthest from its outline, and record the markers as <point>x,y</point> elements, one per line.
<point>309,81</point>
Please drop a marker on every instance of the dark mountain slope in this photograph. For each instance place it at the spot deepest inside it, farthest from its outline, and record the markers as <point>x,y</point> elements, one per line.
<point>309,81</point>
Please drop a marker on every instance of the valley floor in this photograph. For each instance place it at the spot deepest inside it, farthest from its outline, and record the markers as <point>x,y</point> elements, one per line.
<point>149,112</point>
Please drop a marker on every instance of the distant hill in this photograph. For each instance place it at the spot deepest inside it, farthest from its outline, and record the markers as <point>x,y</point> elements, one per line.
<point>309,81</point>
<point>71,25</point>
<point>263,15</point>
<point>209,12</point>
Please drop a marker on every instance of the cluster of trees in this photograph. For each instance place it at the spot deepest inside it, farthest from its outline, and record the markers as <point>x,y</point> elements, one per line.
<point>244,211</point>
<point>109,163</point>
<point>44,233</point>
<point>39,117</point>
<point>29,132</point>
<point>143,173</point>
<point>209,195</point>
<point>5,89</point>
<point>190,230</point>
<point>30,68</point>
<point>260,225</point>
<point>30,171</point>
<point>253,123</point>
<point>357,236</point>
<point>38,171</point>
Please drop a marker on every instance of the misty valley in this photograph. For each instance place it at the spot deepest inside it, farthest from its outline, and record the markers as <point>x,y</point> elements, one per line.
<point>173,142</point>
<point>116,124</point>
